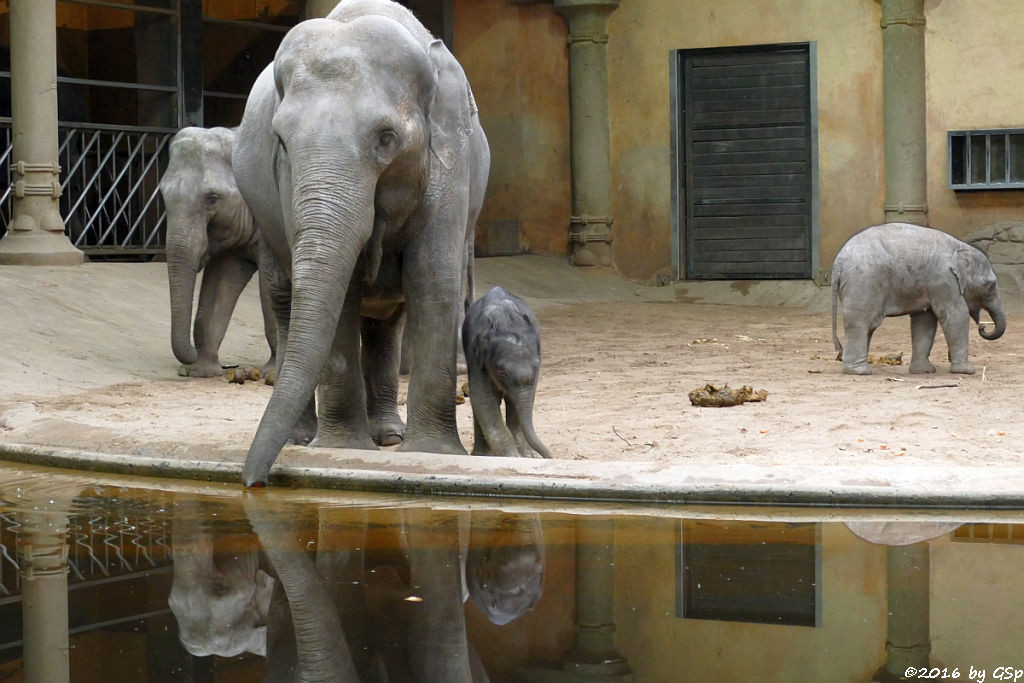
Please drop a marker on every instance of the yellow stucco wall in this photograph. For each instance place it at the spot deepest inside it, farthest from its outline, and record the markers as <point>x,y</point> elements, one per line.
<point>517,61</point>
<point>975,58</point>
<point>850,139</point>
<point>663,647</point>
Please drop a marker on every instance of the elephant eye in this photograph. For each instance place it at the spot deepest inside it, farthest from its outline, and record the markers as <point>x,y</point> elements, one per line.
<point>211,199</point>
<point>387,139</point>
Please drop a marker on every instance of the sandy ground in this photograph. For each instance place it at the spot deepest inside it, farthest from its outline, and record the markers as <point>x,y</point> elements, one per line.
<point>85,362</point>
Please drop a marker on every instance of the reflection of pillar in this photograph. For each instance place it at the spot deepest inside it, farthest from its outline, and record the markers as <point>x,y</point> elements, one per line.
<point>37,235</point>
<point>906,197</point>
<point>590,231</point>
<point>908,643</point>
<point>43,558</point>
<point>594,651</point>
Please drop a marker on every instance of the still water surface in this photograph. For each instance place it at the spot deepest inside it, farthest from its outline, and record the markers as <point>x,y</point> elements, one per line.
<point>106,578</point>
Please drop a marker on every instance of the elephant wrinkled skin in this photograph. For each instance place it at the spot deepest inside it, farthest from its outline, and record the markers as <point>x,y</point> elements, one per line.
<point>501,338</point>
<point>209,229</point>
<point>362,158</point>
<point>903,269</point>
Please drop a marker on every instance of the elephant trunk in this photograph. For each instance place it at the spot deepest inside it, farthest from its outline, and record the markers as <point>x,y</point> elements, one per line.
<point>995,309</point>
<point>523,401</point>
<point>332,224</point>
<point>322,651</point>
<point>184,257</point>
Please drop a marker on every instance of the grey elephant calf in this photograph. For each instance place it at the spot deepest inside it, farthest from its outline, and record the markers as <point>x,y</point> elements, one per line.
<point>209,228</point>
<point>501,340</point>
<point>903,269</point>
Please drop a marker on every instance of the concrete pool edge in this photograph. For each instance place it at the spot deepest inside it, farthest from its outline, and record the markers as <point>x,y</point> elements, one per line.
<point>625,482</point>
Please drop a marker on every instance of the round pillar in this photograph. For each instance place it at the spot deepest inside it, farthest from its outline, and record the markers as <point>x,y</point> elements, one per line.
<point>594,653</point>
<point>908,643</point>
<point>903,68</point>
<point>43,558</point>
<point>590,227</point>
<point>36,235</point>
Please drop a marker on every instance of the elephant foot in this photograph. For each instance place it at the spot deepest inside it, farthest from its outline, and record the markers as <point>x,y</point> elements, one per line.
<point>432,444</point>
<point>964,368</point>
<point>201,369</point>
<point>387,431</point>
<point>860,369</point>
<point>921,368</point>
<point>325,439</point>
<point>269,367</point>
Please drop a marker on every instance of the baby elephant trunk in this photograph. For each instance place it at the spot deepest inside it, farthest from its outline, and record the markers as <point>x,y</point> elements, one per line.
<point>523,400</point>
<point>999,318</point>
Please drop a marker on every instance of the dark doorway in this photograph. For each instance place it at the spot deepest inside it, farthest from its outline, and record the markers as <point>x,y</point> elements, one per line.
<point>746,153</point>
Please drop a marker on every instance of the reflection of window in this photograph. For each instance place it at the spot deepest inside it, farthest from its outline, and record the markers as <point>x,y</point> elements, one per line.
<point>990,533</point>
<point>986,159</point>
<point>768,573</point>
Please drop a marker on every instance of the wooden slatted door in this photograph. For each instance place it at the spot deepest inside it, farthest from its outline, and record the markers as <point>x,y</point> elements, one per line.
<point>747,162</point>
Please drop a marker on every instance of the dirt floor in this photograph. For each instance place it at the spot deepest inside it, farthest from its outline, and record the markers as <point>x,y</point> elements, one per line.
<point>85,362</point>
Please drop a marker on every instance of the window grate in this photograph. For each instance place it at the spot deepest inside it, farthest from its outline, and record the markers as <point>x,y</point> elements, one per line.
<point>986,159</point>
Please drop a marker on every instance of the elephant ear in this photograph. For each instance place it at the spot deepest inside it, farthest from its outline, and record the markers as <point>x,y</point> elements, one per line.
<point>962,269</point>
<point>452,110</point>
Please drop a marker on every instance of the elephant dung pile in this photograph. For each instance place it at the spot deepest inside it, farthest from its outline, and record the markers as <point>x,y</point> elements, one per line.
<point>891,359</point>
<point>714,396</point>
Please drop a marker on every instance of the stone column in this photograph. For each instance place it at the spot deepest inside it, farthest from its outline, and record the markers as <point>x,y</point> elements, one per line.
<point>43,560</point>
<point>906,191</point>
<point>36,235</point>
<point>909,640</point>
<point>590,227</point>
<point>595,653</point>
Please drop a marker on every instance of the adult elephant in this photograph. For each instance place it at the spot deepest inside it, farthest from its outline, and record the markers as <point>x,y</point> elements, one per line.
<point>361,156</point>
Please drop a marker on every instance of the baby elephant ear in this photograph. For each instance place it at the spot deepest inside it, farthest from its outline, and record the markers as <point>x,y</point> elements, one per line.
<point>963,268</point>
<point>451,112</point>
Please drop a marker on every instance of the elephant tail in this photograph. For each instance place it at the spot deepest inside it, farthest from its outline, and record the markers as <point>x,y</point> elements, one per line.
<point>836,273</point>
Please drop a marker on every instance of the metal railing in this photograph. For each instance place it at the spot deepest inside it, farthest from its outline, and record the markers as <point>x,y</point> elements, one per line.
<point>99,547</point>
<point>110,175</point>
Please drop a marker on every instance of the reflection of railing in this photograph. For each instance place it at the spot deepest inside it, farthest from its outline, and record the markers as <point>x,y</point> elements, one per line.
<point>109,183</point>
<point>100,547</point>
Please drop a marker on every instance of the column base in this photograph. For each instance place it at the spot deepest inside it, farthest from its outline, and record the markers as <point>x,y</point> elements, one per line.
<point>591,254</point>
<point>38,248</point>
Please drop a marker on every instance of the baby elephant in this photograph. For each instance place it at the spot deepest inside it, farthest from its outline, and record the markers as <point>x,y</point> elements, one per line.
<point>501,339</point>
<point>903,269</point>
<point>209,228</point>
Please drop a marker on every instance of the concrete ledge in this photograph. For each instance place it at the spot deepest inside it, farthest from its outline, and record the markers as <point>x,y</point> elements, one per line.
<point>554,480</point>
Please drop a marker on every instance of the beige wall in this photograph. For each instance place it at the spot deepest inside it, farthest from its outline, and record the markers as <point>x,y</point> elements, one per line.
<point>974,58</point>
<point>517,61</point>
<point>663,647</point>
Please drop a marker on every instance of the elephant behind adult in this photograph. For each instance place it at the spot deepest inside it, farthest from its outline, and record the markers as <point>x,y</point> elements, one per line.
<point>209,229</point>
<point>362,158</point>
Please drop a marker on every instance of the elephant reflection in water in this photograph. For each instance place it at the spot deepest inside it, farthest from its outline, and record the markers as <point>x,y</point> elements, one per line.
<point>220,595</point>
<point>385,602</point>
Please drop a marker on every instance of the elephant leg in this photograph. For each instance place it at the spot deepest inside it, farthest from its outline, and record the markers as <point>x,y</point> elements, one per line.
<point>922,336</point>
<point>269,324</point>
<point>342,421</point>
<point>224,278</point>
<point>956,325</point>
<point>382,347</point>
<point>438,646</point>
<point>279,288</point>
<point>432,282</point>
<point>491,436</point>
<point>858,338</point>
